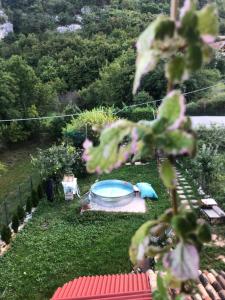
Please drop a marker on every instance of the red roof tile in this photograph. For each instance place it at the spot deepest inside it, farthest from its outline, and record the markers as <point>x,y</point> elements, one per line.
<point>110,287</point>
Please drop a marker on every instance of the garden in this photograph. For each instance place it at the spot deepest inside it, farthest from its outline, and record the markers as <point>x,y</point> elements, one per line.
<point>59,244</point>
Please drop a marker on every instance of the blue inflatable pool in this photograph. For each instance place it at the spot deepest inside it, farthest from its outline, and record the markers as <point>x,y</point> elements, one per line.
<point>112,193</point>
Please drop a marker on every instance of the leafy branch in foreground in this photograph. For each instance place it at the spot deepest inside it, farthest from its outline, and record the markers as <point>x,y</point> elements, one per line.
<point>183,43</point>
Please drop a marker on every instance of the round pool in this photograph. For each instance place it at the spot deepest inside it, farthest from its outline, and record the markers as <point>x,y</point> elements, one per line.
<point>112,193</point>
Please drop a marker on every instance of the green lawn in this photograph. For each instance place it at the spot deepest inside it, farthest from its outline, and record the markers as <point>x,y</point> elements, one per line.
<point>59,244</point>
<point>41,259</point>
<point>19,169</point>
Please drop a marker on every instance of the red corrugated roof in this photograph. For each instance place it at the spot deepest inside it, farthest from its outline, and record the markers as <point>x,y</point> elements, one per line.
<point>110,287</point>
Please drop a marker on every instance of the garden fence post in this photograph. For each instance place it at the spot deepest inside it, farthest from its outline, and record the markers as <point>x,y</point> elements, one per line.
<point>6,212</point>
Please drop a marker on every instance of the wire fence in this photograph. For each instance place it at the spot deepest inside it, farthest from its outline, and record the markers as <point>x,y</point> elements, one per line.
<point>10,202</point>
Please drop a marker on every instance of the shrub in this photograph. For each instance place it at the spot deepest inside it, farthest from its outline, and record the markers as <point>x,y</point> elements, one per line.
<point>83,125</point>
<point>6,234</point>
<point>215,105</point>
<point>15,223</point>
<point>35,199</point>
<point>29,205</point>
<point>20,213</point>
<point>79,166</point>
<point>193,109</point>
<point>54,161</point>
<point>143,97</point>
<point>138,113</point>
<point>40,191</point>
<point>213,135</point>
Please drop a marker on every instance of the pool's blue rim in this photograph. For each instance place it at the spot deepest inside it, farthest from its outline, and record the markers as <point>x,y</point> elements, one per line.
<point>115,181</point>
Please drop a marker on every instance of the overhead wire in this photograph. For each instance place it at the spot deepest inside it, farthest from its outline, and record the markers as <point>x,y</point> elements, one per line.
<point>118,111</point>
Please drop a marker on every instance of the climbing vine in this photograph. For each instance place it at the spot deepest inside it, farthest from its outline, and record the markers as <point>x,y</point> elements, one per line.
<point>182,41</point>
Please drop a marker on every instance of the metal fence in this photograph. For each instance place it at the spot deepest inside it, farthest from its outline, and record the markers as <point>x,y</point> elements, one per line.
<point>10,202</point>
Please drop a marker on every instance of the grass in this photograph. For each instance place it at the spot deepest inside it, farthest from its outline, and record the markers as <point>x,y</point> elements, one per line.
<point>18,166</point>
<point>17,176</point>
<point>59,244</point>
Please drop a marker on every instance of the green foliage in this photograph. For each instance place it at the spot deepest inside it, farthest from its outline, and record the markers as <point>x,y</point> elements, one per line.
<point>2,168</point>
<point>54,161</point>
<point>138,113</point>
<point>6,234</point>
<point>114,86</point>
<point>89,122</point>
<point>15,223</point>
<point>13,133</point>
<point>40,191</point>
<point>79,165</point>
<point>212,135</point>
<point>214,104</point>
<point>207,168</point>
<point>168,174</point>
<point>34,198</point>
<point>29,205</point>
<point>20,213</point>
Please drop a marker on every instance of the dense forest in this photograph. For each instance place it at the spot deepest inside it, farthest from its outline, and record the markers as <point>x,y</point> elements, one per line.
<point>70,55</point>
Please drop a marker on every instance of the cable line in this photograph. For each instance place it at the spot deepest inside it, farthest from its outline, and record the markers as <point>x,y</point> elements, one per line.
<point>115,113</point>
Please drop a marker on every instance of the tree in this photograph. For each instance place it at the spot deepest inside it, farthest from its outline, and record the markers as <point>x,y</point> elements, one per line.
<point>6,234</point>
<point>29,205</point>
<point>20,213</point>
<point>15,223</point>
<point>34,198</point>
<point>113,87</point>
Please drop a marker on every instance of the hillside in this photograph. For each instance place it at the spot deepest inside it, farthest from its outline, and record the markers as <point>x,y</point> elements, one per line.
<point>63,55</point>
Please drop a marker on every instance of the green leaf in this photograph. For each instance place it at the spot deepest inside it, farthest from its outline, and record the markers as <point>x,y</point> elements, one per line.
<point>168,174</point>
<point>194,57</point>
<point>177,142</point>
<point>204,233</point>
<point>140,241</point>
<point>188,28</point>
<point>180,225</point>
<point>192,219</point>
<point>176,70</point>
<point>149,46</point>
<point>165,28</point>
<point>208,24</point>
<point>172,109</point>
<point>146,62</point>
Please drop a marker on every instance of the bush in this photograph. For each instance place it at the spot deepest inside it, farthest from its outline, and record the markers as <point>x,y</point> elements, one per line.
<point>194,109</point>
<point>15,223</point>
<point>138,113</point>
<point>35,199</point>
<point>83,125</point>
<point>213,135</point>
<point>54,161</point>
<point>143,97</point>
<point>214,105</point>
<point>6,234</point>
<point>29,205</point>
<point>79,166</point>
<point>20,213</point>
<point>40,191</point>
<point>13,133</point>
